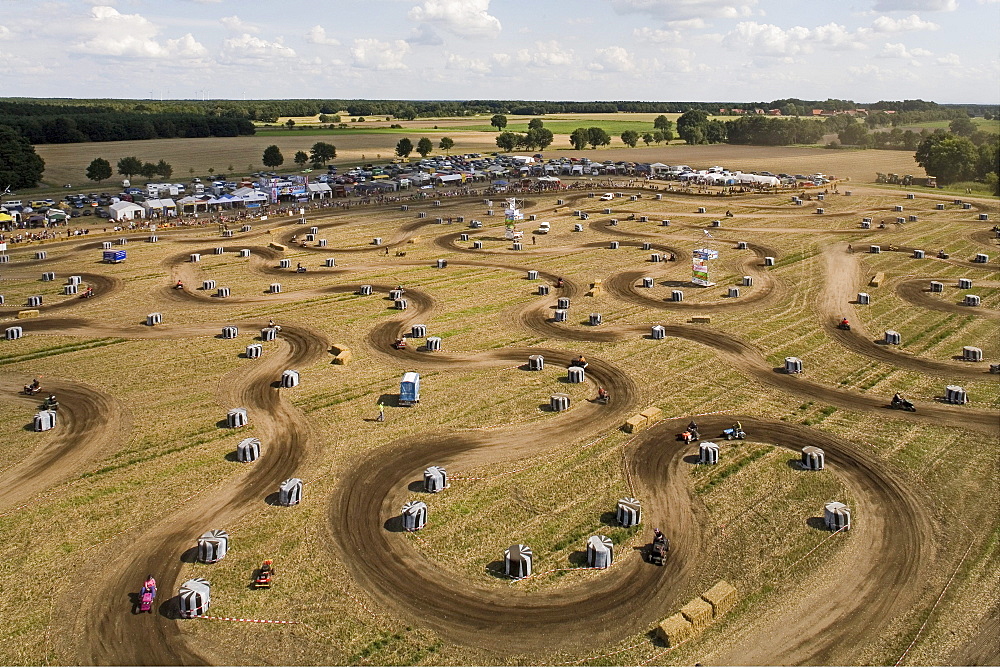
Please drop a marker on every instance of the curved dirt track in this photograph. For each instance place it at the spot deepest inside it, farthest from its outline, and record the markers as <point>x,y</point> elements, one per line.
<point>836,302</point>
<point>104,287</point>
<point>609,606</point>
<point>114,638</point>
<point>766,289</point>
<point>917,292</point>
<point>88,421</point>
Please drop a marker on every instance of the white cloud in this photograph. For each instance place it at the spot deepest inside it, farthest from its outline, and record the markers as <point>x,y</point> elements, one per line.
<point>247,46</point>
<point>4,32</point>
<point>911,22</point>
<point>424,35</point>
<point>770,40</point>
<point>317,35</point>
<point>688,24</point>
<point>115,34</point>
<point>467,18</point>
<point>916,5</point>
<point>238,25</point>
<point>546,54</point>
<point>898,50</point>
<point>656,35</point>
<point>951,59</point>
<point>457,62</point>
<point>373,54</point>
<point>881,74</point>
<point>683,10</point>
<point>613,59</point>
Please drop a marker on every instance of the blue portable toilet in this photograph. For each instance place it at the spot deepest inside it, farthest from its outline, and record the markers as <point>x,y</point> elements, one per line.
<point>409,389</point>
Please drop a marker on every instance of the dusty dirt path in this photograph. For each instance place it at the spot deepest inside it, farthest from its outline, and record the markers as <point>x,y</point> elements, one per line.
<point>840,290</point>
<point>917,292</point>
<point>88,422</point>
<point>609,606</point>
<point>110,636</point>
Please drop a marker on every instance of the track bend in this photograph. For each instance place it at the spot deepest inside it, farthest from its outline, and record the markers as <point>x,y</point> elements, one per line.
<point>113,638</point>
<point>841,286</point>
<point>917,292</point>
<point>88,421</point>
<point>617,603</point>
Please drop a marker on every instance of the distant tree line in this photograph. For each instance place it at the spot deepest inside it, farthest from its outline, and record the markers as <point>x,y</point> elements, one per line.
<point>268,111</point>
<point>68,129</point>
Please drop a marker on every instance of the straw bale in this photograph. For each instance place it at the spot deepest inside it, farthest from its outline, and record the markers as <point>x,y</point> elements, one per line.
<point>652,414</point>
<point>674,630</point>
<point>698,612</point>
<point>722,598</point>
<point>634,424</point>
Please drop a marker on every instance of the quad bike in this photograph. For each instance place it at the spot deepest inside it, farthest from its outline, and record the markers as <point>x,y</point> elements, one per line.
<point>902,404</point>
<point>658,550</point>
<point>262,580</point>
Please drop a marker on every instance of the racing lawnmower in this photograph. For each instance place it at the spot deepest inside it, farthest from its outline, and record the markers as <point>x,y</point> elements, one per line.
<point>147,594</point>
<point>658,548</point>
<point>690,434</point>
<point>735,431</point>
<point>899,403</point>
<point>264,574</point>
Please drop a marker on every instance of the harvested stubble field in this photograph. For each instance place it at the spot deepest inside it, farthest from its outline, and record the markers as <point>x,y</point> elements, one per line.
<point>67,163</point>
<point>152,468</point>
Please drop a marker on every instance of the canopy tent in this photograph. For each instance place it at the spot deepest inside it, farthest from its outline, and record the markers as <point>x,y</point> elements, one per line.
<point>125,211</point>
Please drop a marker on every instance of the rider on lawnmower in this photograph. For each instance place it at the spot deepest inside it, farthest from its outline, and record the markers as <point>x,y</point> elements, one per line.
<point>844,323</point>
<point>602,395</point>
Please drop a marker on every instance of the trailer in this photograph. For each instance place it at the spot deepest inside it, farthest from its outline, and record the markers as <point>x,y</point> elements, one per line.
<point>409,389</point>
<point>114,256</point>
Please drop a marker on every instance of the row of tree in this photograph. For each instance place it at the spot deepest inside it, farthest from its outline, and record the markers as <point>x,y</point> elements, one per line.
<point>67,129</point>
<point>271,110</point>
<point>319,155</point>
<point>100,169</point>
<point>404,147</point>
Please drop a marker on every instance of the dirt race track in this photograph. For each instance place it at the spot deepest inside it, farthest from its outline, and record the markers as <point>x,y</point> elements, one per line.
<point>897,556</point>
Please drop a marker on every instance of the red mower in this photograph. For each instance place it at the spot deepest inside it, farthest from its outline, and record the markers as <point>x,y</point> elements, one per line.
<point>264,574</point>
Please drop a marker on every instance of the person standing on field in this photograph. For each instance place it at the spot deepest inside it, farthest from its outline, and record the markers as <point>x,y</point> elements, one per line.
<point>381,412</point>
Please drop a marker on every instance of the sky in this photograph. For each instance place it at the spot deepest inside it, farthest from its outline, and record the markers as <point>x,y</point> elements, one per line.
<point>947,51</point>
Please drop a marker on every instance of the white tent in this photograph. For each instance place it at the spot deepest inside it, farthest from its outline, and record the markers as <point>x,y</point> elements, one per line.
<point>320,190</point>
<point>126,211</point>
<point>160,207</point>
